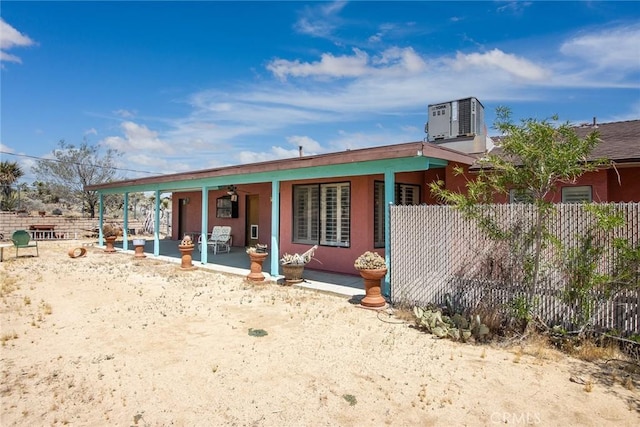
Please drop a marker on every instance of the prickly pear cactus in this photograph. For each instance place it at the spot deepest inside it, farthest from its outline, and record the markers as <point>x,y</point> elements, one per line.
<point>456,327</point>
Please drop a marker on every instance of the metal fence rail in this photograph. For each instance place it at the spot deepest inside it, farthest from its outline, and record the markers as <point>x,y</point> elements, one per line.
<point>436,253</point>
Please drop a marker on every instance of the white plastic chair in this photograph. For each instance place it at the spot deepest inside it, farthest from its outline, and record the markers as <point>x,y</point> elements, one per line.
<point>219,239</point>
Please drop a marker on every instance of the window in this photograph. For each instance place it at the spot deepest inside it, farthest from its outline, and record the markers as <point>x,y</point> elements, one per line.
<point>322,214</point>
<point>518,195</point>
<point>581,194</point>
<point>226,207</point>
<point>405,194</point>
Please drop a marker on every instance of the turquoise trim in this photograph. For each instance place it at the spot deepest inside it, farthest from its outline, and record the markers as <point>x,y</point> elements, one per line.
<point>156,226</point>
<point>275,227</point>
<point>204,232</point>
<point>389,199</point>
<point>373,167</point>
<point>125,224</point>
<point>100,219</point>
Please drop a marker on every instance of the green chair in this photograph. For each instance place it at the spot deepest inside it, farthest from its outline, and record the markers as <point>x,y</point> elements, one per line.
<point>22,239</point>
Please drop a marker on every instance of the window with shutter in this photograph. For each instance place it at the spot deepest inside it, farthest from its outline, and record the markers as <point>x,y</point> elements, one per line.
<point>517,195</point>
<point>580,194</point>
<point>322,214</point>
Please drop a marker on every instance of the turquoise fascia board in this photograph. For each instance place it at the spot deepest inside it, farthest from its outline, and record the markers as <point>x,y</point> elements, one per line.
<point>406,164</point>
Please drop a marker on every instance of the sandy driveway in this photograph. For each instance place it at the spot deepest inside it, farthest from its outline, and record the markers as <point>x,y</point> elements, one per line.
<point>110,340</point>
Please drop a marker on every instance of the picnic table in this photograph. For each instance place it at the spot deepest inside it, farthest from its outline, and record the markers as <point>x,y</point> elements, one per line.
<point>42,231</point>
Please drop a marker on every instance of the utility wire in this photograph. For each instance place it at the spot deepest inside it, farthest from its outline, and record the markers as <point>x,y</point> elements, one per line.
<point>76,163</point>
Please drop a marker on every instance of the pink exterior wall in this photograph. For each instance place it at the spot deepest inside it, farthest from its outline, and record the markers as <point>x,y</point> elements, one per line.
<point>339,260</point>
<point>604,184</point>
<point>628,189</point>
<point>598,182</point>
<point>193,212</point>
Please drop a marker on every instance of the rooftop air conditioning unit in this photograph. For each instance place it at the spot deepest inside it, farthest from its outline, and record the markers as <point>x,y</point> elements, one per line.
<point>453,119</point>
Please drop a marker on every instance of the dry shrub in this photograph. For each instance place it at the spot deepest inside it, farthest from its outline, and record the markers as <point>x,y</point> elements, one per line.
<point>404,311</point>
<point>590,351</point>
<point>539,346</point>
<point>490,316</point>
<point>9,284</point>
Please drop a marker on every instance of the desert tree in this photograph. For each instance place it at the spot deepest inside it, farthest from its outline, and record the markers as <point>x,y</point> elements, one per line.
<point>10,172</point>
<point>73,168</point>
<point>532,158</point>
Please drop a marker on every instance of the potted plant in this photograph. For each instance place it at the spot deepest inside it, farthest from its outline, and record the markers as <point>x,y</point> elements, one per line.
<point>372,268</point>
<point>293,265</point>
<point>110,232</point>
<point>138,246</point>
<point>186,250</point>
<point>257,255</point>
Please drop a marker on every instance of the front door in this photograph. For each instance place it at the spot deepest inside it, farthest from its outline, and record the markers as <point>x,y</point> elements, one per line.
<point>253,214</point>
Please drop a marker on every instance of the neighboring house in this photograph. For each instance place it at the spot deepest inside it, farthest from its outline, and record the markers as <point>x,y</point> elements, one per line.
<point>620,143</point>
<point>338,200</point>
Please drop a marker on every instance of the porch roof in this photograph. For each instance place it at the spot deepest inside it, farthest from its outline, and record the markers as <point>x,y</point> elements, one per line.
<point>397,158</point>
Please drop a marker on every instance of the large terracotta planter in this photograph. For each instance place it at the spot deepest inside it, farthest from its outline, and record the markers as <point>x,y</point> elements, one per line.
<point>186,252</point>
<point>292,273</point>
<point>138,247</point>
<point>109,241</point>
<point>256,266</point>
<point>373,295</point>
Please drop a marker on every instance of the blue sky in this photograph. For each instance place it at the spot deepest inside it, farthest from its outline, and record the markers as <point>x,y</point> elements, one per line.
<point>180,86</point>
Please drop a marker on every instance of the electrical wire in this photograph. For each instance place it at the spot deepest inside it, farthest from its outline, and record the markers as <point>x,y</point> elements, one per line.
<point>76,163</point>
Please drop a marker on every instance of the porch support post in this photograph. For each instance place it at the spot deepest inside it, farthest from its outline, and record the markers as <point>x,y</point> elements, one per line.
<point>275,227</point>
<point>156,225</point>
<point>204,227</point>
<point>125,223</point>
<point>389,198</point>
<point>100,219</point>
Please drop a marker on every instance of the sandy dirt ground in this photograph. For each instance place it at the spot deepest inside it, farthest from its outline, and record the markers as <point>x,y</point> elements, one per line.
<point>112,340</point>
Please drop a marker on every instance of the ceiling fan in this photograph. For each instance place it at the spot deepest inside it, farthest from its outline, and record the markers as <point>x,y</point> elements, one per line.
<point>233,191</point>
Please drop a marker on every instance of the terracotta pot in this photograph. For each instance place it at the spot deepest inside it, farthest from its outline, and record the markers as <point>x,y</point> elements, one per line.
<point>373,295</point>
<point>292,273</point>
<point>138,247</point>
<point>110,240</point>
<point>256,266</point>
<point>186,251</point>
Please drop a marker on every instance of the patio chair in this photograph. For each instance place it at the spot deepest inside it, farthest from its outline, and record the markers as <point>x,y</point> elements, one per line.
<point>219,240</point>
<point>22,239</point>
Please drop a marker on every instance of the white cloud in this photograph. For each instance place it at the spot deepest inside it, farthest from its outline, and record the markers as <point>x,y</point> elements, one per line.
<point>390,87</point>
<point>125,114</point>
<point>7,57</point>
<point>514,7</point>
<point>517,67</point>
<point>319,20</point>
<point>91,131</point>
<point>613,48</point>
<point>309,145</point>
<point>9,39</point>
<point>138,138</point>
<point>394,60</point>
<point>328,66</point>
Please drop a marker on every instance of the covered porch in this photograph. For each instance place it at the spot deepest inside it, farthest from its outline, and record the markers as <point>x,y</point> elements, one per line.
<point>237,262</point>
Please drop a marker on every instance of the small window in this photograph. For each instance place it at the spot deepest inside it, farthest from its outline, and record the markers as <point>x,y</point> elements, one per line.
<point>518,195</point>
<point>226,207</point>
<point>581,194</point>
